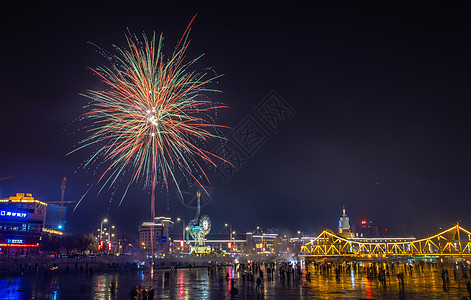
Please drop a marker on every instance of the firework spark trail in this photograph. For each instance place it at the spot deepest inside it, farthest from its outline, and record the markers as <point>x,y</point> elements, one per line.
<point>151,118</point>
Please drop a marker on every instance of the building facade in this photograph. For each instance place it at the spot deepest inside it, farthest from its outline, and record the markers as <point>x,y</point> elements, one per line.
<point>22,220</point>
<point>344,222</point>
<point>163,231</point>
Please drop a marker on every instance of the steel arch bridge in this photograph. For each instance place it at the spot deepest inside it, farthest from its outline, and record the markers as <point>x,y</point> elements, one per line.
<point>455,241</point>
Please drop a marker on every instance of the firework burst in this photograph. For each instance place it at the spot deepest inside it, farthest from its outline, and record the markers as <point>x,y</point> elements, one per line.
<point>151,118</point>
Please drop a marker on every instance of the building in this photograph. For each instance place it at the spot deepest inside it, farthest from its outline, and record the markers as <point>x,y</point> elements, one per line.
<point>344,222</point>
<point>163,231</point>
<point>399,230</point>
<point>383,240</point>
<point>22,220</point>
<point>367,229</point>
<point>262,242</point>
<point>344,225</point>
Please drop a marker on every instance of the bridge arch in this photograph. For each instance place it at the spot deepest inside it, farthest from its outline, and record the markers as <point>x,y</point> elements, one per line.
<point>455,241</point>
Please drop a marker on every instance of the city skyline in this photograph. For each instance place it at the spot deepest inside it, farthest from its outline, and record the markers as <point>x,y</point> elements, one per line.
<point>376,97</point>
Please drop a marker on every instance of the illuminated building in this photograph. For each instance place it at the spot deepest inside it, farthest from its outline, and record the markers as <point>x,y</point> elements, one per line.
<point>344,222</point>
<point>163,230</point>
<point>368,229</point>
<point>22,221</point>
<point>260,241</point>
<point>264,242</point>
<point>344,225</point>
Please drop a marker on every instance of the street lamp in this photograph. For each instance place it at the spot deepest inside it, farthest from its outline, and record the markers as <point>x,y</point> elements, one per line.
<point>183,228</point>
<point>101,230</point>
<point>110,236</point>
<point>301,236</point>
<point>230,230</point>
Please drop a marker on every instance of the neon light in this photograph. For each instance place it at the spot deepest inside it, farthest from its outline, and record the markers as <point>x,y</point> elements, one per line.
<point>18,245</point>
<point>5,213</point>
<point>53,231</point>
<point>14,241</point>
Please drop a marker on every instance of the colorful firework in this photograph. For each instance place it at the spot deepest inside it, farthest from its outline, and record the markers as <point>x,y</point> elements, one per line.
<point>152,118</point>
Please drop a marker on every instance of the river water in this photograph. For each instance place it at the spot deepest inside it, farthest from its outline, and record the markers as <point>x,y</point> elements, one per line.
<point>200,283</point>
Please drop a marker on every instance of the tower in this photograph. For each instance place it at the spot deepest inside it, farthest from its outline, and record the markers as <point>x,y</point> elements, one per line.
<point>344,222</point>
<point>199,227</point>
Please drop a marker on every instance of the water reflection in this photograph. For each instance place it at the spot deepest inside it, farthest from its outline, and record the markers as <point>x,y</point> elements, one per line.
<point>217,283</point>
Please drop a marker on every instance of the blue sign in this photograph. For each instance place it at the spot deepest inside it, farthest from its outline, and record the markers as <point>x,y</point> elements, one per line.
<point>14,241</point>
<point>162,239</point>
<point>5,213</point>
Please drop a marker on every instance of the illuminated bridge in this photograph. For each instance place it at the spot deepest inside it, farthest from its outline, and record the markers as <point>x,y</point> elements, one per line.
<point>455,241</point>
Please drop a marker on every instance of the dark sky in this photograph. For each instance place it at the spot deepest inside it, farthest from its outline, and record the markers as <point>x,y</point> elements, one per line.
<point>380,95</point>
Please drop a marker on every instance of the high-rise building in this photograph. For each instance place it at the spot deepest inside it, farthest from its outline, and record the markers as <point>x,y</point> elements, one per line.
<point>163,231</point>
<point>368,229</point>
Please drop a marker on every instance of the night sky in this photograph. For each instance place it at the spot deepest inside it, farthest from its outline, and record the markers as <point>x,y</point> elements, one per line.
<point>380,95</point>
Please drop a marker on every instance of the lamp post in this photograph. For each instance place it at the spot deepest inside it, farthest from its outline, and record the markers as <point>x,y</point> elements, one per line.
<point>301,236</point>
<point>183,231</point>
<point>183,227</point>
<point>110,240</point>
<point>101,231</point>
<point>230,230</point>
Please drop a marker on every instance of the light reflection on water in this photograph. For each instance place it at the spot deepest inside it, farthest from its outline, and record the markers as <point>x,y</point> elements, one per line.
<point>201,283</point>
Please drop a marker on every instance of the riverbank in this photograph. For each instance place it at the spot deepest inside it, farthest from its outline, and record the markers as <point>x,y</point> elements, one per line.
<point>47,265</point>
